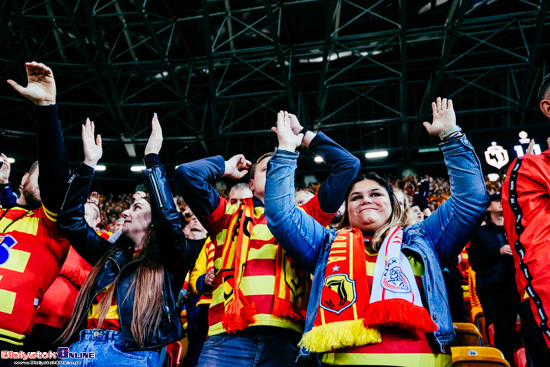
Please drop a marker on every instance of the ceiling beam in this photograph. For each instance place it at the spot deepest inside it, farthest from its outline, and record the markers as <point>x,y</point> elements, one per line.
<point>280,55</point>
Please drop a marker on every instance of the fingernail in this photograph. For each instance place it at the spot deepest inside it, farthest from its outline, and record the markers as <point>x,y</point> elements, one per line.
<point>155,114</point>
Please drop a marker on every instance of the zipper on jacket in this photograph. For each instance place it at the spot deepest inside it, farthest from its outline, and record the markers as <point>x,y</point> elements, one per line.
<point>70,182</point>
<point>156,189</point>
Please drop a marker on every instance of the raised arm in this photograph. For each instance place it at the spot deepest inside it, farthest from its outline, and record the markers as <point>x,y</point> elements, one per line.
<point>452,224</point>
<point>299,234</point>
<point>8,198</point>
<point>71,220</point>
<point>165,216</point>
<point>199,194</point>
<point>344,165</point>
<point>52,156</point>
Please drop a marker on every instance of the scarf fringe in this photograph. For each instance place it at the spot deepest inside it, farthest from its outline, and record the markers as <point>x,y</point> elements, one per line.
<point>285,308</point>
<point>401,313</point>
<point>340,334</point>
<point>239,314</point>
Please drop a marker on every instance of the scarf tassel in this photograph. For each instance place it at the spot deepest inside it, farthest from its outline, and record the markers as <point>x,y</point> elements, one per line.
<point>340,334</point>
<point>239,314</point>
<point>285,308</point>
<point>401,313</point>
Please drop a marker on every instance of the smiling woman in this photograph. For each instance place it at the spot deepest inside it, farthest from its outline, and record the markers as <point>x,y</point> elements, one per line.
<point>372,207</point>
<point>370,310</point>
<point>129,297</point>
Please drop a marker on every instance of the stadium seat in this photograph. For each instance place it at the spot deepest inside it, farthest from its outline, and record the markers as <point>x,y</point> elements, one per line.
<point>467,334</point>
<point>478,357</point>
<point>520,360</point>
<point>491,332</point>
<point>173,354</point>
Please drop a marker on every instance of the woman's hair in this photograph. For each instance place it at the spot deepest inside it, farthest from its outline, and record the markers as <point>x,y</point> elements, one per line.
<point>396,217</point>
<point>146,286</point>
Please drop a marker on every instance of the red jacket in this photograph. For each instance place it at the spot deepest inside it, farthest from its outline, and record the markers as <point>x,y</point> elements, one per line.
<point>28,267</point>
<point>526,206</point>
<point>58,303</point>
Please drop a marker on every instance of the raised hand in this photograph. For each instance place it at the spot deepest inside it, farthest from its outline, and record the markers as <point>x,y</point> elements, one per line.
<point>94,198</point>
<point>295,124</point>
<point>443,116</point>
<point>530,147</point>
<point>5,169</point>
<point>288,140</point>
<point>91,144</point>
<point>237,166</point>
<point>155,139</point>
<point>40,84</point>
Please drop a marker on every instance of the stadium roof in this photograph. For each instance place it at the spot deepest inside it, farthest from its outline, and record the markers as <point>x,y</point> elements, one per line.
<point>217,72</point>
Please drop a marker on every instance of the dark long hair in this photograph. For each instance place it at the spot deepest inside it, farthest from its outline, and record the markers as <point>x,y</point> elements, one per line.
<point>146,284</point>
<point>396,217</point>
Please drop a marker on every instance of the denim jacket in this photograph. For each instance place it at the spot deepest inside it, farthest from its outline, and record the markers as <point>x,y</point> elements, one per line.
<point>437,240</point>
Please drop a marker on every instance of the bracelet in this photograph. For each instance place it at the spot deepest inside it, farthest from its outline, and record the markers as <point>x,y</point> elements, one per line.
<point>303,131</point>
<point>445,134</point>
<point>457,134</point>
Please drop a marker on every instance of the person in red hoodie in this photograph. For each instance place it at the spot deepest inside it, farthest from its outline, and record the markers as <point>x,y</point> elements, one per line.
<point>526,209</point>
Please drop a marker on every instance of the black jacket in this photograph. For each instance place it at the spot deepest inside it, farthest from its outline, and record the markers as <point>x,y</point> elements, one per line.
<point>492,269</point>
<point>173,252</point>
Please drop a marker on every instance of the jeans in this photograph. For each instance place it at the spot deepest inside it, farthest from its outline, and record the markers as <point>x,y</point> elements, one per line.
<point>251,349</point>
<point>107,348</point>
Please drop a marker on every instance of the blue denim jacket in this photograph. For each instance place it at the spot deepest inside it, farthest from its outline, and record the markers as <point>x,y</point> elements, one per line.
<point>437,240</point>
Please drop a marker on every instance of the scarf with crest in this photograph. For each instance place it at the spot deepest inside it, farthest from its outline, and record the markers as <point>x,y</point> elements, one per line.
<point>350,313</point>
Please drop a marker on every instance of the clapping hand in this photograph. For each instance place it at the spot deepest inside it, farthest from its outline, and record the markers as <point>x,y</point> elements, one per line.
<point>40,87</point>
<point>288,140</point>
<point>443,117</point>
<point>91,144</point>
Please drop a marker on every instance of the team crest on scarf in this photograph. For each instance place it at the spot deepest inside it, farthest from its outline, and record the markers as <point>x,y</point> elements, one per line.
<point>340,291</point>
<point>393,279</point>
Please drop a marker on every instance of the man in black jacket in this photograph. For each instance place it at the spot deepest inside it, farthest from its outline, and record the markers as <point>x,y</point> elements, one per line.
<point>491,258</point>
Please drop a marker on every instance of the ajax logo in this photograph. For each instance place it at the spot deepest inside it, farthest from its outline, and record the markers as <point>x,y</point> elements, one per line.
<point>393,279</point>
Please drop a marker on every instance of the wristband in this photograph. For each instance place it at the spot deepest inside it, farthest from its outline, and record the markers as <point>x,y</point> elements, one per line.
<point>458,134</point>
<point>447,133</point>
<point>303,131</point>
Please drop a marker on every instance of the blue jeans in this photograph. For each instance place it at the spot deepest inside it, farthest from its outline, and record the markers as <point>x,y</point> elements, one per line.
<point>107,348</point>
<point>251,349</point>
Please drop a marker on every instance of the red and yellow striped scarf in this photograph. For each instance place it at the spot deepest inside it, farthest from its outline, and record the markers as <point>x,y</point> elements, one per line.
<point>345,315</point>
<point>288,302</point>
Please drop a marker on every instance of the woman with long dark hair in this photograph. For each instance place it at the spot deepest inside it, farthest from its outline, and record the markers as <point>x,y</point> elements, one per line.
<point>128,300</point>
<point>378,296</point>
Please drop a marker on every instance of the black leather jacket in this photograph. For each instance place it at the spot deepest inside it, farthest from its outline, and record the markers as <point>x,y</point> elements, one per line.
<point>173,252</point>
